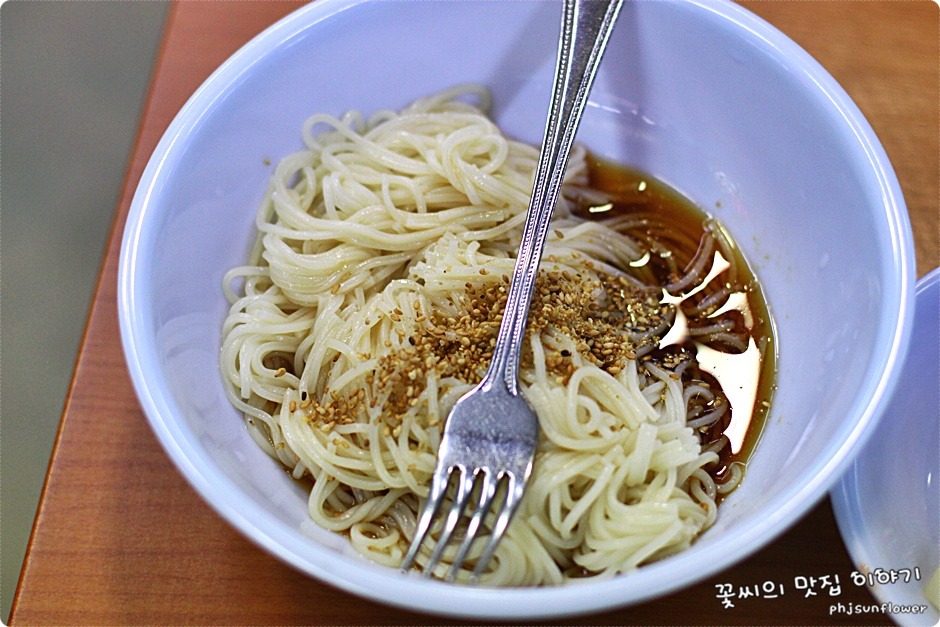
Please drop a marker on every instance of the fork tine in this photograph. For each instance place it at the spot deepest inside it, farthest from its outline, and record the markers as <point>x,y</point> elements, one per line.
<point>438,487</point>
<point>513,495</point>
<point>461,498</point>
<point>487,492</point>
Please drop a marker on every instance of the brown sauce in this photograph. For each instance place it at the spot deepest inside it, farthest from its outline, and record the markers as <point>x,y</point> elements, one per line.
<point>672,228</point>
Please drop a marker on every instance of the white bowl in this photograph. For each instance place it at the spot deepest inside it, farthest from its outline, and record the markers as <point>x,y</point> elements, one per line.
<point>702,94</point>
<point>888,504</point>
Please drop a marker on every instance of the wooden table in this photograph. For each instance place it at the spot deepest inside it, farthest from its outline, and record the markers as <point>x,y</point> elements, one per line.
<point>121,538</point>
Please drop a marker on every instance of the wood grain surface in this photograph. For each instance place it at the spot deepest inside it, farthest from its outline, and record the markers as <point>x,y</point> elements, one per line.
<point>121,539</point>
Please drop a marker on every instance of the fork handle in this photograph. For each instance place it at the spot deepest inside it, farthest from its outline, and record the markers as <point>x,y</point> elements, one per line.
<point>586,27</point>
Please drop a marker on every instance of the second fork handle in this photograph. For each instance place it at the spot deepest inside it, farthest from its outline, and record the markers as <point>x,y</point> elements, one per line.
<point>586,27</point>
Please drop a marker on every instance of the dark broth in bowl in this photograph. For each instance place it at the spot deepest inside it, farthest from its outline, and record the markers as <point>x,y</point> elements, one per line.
<point>673,229</point>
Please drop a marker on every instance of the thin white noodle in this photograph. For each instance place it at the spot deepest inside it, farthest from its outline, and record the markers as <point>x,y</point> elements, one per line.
<point>376,220</point>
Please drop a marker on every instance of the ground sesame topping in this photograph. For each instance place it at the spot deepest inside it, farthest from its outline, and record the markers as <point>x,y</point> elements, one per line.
<point>595,314</point>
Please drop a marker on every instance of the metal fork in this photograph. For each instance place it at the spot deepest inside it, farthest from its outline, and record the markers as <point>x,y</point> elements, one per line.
<point>492,432</point>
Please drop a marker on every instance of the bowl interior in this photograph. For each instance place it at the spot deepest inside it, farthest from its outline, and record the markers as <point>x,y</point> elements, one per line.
<point>730,113</point>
